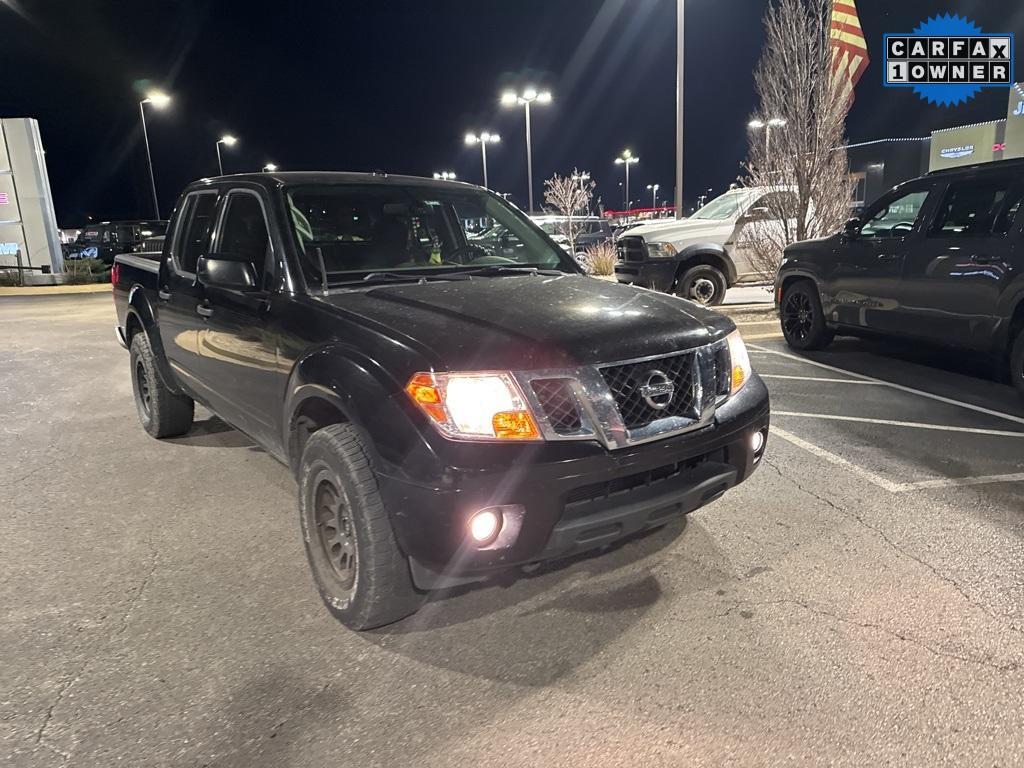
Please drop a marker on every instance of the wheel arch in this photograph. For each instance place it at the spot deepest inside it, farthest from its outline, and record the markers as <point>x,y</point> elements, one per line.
<point>712,254</point>
<point>334,385</point>
<point>139,317</point>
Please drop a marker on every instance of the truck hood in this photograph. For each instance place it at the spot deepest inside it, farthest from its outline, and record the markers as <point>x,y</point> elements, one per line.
<point>682,230</point>
<point>530,322</point>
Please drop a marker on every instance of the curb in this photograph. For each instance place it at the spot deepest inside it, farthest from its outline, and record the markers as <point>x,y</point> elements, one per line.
<point>748,311</point>
<point>55,290</point>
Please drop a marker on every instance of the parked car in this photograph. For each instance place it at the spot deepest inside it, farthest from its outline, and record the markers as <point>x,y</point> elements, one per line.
<point>939,259</point>
<point>699,258</point>
<point>151,245</point>
<point>448,412</point>
<point>592,230</point>
<point>105,240</point>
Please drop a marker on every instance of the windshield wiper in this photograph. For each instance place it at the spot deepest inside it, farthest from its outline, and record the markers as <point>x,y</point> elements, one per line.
<point>394,277</point>
<point>500,269</point>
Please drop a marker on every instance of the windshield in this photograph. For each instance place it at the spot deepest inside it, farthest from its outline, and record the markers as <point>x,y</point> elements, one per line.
<point>728,206</point>
<point>357,230</point>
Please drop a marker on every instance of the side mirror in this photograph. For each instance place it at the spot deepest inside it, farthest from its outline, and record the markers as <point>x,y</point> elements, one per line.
<point>221,270</point>
<point>851,228</point>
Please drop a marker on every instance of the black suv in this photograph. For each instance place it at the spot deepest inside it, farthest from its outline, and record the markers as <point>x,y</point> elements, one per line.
<point>105,240</point>
<point>939,259</point>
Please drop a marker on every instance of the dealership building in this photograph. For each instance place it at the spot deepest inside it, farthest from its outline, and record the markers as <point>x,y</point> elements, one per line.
<point>877,166</point>
<point>28,224</point>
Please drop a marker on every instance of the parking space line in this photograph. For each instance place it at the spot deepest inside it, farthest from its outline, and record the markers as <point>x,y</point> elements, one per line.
<point>893,423</point>
<point>764,336</point>
<point>902,388</point>
<point>954,482</point>
<point>888,485</point>
<point>839,461</point>
<point>819,378</point>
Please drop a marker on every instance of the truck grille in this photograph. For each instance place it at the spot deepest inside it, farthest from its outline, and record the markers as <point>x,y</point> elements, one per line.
<point>630,385</point>
<point>631,249</point>
<point>559,405</point>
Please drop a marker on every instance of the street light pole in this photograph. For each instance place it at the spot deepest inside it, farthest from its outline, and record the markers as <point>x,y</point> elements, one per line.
<point>679,108</point>
<point>483,140</point>
<point>227,140</point>
<point>526,98</point>
<point>627,159</point>
<point>654,194</point>
<point>159,100</point>
<point>757,125</point>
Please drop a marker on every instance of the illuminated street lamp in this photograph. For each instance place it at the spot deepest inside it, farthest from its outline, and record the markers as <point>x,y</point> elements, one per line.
<point>269,168</point>
<point>228,141</point>
<point>627,159</point>
<point>757,125</point>
<point>526,98</point>
<point>654,194</point>
<point>483,140</point>
<point>159,100</point>
<point>445,175</point>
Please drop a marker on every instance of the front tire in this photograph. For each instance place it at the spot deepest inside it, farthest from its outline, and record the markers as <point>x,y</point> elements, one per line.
<point>362,576</point>
<point>802,318</point>
<point>1017,363</point>
<point>703,284</point>
<point>162,412</point>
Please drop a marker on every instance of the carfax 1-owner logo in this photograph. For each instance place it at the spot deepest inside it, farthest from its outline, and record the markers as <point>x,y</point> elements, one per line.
<point>948,59</point>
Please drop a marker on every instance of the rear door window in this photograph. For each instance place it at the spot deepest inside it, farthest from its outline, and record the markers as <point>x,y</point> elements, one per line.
<point>970,208</point>
<point>194,231</point>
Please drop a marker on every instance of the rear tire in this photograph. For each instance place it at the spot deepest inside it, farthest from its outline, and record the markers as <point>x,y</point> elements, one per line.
<point>162,412</point>
<point>1017,363</point>
<point>362,576</point>
<point>703,284</point>
<point>802,318</point>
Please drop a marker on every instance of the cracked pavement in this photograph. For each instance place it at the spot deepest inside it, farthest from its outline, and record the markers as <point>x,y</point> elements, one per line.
<point>157,608</point>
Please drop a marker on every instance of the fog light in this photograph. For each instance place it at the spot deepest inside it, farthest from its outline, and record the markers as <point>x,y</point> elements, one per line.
<point>485,525</point>
<point>757,442</point>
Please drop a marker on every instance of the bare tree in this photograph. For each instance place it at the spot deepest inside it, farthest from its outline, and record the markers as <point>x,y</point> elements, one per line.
<point>570,197</point>
<point>798,152</point>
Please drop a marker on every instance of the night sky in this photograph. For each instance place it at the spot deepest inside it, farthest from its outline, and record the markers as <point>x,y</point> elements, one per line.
<point>395,85</point>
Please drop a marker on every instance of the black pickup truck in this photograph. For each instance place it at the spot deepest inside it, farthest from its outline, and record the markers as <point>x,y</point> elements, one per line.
<point>448,411</point>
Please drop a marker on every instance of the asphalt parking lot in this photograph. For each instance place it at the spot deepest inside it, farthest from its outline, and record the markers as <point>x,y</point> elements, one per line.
<point>858,602</point>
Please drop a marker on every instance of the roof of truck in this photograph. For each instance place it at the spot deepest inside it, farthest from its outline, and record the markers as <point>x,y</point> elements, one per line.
<point>334,177</point>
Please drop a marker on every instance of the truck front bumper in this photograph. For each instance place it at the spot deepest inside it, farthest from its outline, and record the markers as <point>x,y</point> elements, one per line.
<point>656,275</point>
<point>579,498</point>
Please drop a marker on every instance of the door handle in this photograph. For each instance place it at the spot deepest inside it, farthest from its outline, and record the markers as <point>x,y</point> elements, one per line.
<point>164,294</point>
<point>981,258</point>
<point>205,310</point>
<point>888,256</point>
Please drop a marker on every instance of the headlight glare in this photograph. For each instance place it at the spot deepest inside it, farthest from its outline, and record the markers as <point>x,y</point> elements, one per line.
<point>474,406</point>
<point>739,360</point>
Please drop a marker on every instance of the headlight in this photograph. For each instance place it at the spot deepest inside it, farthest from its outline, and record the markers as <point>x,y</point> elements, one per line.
<point>661,250</point>
<point>740,362</point>
<point>474,406</point>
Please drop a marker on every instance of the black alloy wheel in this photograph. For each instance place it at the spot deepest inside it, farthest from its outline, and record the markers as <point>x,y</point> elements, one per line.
<point>802,319</point>
<point>336,533</point>
<point>797,316</point>
<point>145,395</point>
